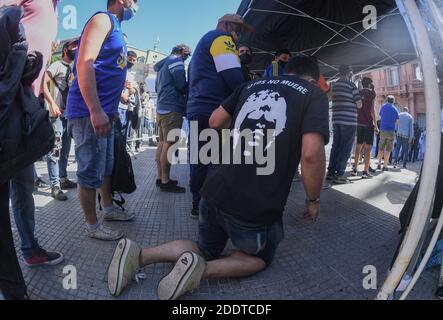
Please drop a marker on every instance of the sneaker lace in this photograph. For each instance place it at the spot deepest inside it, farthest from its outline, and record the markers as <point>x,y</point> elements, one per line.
<point>140,275</point>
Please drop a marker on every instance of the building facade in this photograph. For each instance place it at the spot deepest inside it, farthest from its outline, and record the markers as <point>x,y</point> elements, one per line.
<point>405,83</point>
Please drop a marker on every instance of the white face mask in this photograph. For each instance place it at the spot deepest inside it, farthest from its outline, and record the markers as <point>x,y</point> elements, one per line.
<point>130,12</point>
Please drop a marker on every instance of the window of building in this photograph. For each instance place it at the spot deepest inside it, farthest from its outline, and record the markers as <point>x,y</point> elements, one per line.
<point>141,59</point>
<point>418,73</point>
<point>394,76</point>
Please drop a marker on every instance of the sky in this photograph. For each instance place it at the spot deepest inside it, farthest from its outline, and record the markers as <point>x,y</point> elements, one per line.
<point>172,21</point>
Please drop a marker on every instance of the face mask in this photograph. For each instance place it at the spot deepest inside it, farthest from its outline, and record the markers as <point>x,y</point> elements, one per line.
<point>130,12</point>
<point>70,54</point>
<point>245,58</point>
<point>282,64</point>
<point>130,65</point>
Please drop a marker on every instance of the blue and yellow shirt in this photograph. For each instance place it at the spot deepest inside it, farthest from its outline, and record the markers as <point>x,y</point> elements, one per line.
<point>110,72</point>
<point>214,73</point>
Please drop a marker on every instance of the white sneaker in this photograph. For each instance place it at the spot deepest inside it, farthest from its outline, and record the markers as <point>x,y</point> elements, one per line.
<point>124,266</point>
<point>118,214</point>
<point>104,233</point>
<point>185,277</point>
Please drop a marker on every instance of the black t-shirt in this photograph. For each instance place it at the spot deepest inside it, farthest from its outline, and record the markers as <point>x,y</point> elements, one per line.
<point>290,106</point>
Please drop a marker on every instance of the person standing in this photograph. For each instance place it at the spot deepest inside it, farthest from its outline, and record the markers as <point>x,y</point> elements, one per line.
<point>128,99</point>
<point>39,23</point>
<point>366,127</point>
<point>405,136</point>
<point>171,87</point>
<point>245,54</point>
<point>388,121</point>
<point>58,77</point>
<point>346,100</point>
<point>277,67</point>
<point>214,73</point>
<point>100,72</point>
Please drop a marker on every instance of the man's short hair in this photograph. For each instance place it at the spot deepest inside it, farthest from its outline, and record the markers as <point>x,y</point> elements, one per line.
<point>366,82</point>
<point>405,109</point>
<point>181,48</point>
<point>132,54</point>
<point>344,70</point>
<point>282,51</point>
<point>303,65</point>
<point>111,2</point>
<point>245,45</point>
<point>390,99</point>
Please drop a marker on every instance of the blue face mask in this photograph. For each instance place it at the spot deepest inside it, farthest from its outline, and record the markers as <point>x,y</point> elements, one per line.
<point>130,12</point>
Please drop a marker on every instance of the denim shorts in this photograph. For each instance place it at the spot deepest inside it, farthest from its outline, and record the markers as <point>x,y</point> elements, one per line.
<point>94,156</point>
<point>216,227</point>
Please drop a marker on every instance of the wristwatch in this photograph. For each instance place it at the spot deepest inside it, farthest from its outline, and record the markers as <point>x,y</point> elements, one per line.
<point>308,201</point>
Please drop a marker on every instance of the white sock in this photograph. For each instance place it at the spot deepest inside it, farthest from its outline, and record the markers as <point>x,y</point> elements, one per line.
<point>92,227</point>
<point>108,210</point>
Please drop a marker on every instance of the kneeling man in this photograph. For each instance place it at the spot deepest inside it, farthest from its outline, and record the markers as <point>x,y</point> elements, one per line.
<point>240,202</point>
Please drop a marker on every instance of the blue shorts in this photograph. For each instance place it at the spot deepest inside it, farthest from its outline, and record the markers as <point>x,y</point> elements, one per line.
<point>216,227</point>
<point>94,156</point>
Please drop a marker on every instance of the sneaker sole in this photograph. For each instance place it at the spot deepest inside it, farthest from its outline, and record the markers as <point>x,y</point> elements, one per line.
<point>49,263</point>
<point>171,191</point>
<point>105,239</point>
<point>119,219</point>
<point>173,285</point>
<point>115,269</point>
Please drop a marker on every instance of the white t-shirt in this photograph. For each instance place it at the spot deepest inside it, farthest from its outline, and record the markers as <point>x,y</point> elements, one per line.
<point>130,77</point>
<point>57,71</point>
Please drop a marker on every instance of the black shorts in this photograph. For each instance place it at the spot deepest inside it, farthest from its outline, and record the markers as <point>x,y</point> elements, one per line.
<point>216,227</point>
<point>365,135</point>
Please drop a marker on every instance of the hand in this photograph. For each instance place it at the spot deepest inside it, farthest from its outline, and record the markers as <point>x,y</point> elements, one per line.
<point>100,123</point>
<point>54,110</point>
<point>376,130</point>
<point>312,212</point>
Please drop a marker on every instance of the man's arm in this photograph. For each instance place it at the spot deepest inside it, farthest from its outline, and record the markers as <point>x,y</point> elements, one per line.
<point>374,118</point>
<point>92,40</point>
<point>227,62</point>
<point>313,164</point>
<point>220,119</point>
<point>54,109</point>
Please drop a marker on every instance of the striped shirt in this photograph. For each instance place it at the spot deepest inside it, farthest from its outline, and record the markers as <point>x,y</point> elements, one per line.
<point>345,97</point>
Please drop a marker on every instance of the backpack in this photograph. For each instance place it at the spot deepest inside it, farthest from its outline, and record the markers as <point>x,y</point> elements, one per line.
<point>122,178</point>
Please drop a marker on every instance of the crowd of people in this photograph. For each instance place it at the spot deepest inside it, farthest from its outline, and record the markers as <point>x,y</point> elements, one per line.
<point>92,89</point>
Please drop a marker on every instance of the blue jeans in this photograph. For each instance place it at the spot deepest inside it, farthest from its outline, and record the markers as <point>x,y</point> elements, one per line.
<point>402,143</point>
<point>52,158</point>
<point>341,148</point>
<point>64,152</point>
<point>23,207</point>
<point>216,227</point>
<point>95,156</point>
<point>198,171</point>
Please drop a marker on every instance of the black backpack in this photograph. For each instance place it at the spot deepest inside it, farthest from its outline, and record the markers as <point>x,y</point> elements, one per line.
<point>122,179</point>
